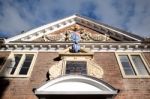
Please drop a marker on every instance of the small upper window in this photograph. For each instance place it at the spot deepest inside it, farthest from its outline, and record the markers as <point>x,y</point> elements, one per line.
<point>19,64</point>
<point>126,64</point>
<point>76,67</point>
<point>133,65</point>
<point>139,65</point>
<point>26,64</point>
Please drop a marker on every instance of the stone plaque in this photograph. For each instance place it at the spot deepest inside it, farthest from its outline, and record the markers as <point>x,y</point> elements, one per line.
<point>76,67</point>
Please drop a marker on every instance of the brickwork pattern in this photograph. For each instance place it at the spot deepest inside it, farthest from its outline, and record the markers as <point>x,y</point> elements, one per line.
<point>23,88</point>
<point>132,88</point>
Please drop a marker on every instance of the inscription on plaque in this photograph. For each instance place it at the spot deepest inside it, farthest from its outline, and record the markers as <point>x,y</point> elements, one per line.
<point>76,67</point>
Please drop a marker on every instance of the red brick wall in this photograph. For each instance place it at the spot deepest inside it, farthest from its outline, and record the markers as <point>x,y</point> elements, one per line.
<point>132,88</point>
<point>147,57</point>
<point>22,88</point>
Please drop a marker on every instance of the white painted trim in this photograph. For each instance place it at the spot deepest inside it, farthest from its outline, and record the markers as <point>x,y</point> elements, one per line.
<point>56,29</point>
<point>133,65</point>
<point>40,29</point>
<point>103,88</point>
<point>46,27</point>
<point>54,50</point>
<point>16,73</point>
<point>108,28</point>
<point>98,47</point>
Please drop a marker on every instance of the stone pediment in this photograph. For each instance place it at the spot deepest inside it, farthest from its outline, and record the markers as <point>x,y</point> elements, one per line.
<point>86,26</point>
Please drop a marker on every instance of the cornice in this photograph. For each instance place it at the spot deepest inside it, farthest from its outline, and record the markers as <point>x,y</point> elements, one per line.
<point>95,47</point>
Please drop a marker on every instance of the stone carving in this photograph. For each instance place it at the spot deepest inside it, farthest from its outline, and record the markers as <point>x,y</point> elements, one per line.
<point>52,37</point>
<point>67,36</point>
<point>99,37</point>
<point>55,70</point>
<point>84,35</point>
<point>94,69</point>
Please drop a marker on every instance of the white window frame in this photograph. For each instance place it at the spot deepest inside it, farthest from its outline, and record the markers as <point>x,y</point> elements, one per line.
<point>133,65</point>
<point>16,73</point>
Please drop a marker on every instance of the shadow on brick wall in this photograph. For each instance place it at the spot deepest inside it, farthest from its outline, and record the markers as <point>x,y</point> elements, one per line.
<point>57,58</point>
<point>4,83</point>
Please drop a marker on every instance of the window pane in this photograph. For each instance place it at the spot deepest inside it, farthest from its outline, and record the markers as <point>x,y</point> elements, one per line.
<point>15,62</point>
<point>23,71</point>
<point>26,65</point>
<point>128,69</point>
<point>76,67</point>
<point>139,65</point>
<point>2,61</point>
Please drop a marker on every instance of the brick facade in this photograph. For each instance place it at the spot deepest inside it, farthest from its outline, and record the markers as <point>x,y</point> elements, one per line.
<point>132,88</point>
<point>23,88</point>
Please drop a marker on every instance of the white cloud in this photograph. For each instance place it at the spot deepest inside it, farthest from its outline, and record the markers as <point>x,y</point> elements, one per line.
<point>140,21</point>
<point>125,14</point>
<point>11,21</point>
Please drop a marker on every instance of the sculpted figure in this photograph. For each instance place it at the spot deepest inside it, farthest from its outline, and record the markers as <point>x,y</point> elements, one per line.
<point>75,37</point>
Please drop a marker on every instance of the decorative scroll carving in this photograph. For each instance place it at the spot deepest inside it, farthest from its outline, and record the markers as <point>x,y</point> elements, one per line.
<point>52,37</point>
<point>84,35</point>
<point>67,36</point>
<point>94,69</point>
<point>99,37</point>
<point>56,70</point>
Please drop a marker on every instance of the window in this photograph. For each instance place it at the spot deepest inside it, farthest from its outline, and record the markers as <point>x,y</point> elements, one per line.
<point>19,64</point>
<point>76,67</point>
<point>126,64</point>
<point>133,65</point>
<point>140,66</point>
<point>2,61</point>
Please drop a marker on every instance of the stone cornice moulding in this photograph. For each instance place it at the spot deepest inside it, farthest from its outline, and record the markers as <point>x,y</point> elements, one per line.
<point>56,47</point>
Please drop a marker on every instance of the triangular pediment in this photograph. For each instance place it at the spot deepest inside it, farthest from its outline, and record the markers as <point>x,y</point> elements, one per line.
<point>89,30</point>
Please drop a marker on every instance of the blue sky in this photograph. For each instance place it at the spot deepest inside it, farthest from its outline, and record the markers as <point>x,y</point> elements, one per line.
<point>23,15</point>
